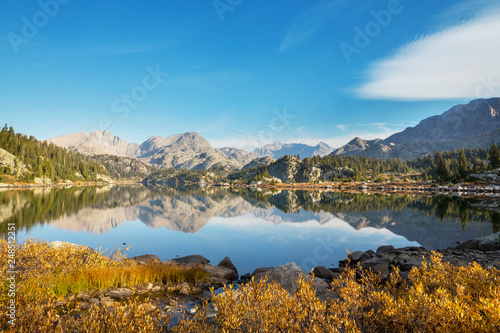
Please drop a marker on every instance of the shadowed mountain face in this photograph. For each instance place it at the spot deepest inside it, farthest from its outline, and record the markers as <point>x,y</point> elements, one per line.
<point>433,222</point>
<point>473,125</point>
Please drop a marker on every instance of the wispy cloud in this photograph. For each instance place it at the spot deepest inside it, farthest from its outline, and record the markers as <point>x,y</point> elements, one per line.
<point>342,127</point>
<point>457,61</point>
<point>308,23</point>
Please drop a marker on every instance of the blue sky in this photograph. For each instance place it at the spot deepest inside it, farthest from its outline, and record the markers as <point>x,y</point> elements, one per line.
<point>243,73</point>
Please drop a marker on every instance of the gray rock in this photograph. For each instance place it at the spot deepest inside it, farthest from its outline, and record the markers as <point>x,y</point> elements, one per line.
<point>220,272</point>
<point>216,282</point>
<point>385,250</point>
<point>119,293</point>
<point>486,243</point>
<point>355,256</point>
<point>407,266</point>
<point>261,270</point>
<point>191,260</point>
<point>494,264</point>
<point>324,273</point>
<point>258,162</point>
<point>370,254</point>
<point>377,265</point>
<point>227,263</point>
<point>287,276</point>
<point>146,258</point>
<point>337,270</point>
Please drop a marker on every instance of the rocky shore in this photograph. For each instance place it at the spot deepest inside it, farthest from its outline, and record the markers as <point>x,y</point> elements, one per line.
<point>182,298</point>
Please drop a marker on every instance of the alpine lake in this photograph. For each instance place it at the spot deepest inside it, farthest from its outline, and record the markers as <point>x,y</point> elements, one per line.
<point>255,228</point>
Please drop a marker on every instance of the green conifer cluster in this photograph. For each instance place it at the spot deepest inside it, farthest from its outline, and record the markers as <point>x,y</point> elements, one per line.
<point>46,159</point>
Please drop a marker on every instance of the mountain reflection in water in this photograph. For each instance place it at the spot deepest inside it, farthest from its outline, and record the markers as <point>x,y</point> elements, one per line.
<point>256,228</point>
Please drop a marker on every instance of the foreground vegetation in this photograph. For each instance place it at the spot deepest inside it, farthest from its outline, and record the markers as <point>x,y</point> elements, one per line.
<point>438,298</point>
<point>48,275</point>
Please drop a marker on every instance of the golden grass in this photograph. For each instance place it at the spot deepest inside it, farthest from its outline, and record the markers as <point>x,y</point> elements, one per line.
<point>46,275</point>
<point>68,270</point>
<point>439,298</point>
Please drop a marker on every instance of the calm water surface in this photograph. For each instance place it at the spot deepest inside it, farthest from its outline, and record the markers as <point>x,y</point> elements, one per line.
<point>253,228</point>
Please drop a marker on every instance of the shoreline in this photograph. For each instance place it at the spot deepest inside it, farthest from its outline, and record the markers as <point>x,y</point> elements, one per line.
<point>63,185</point>
<point>423,187</point>
<point>182,298</point>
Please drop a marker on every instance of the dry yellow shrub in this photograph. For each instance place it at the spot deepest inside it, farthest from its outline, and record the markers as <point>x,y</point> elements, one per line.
<point>438,298</point>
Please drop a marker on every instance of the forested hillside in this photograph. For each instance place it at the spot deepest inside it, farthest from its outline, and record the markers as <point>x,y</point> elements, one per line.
<point>120,167</point>
<point>32,158</point>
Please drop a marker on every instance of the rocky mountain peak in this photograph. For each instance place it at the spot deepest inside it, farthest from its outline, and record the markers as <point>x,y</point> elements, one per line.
<point>472,125</point>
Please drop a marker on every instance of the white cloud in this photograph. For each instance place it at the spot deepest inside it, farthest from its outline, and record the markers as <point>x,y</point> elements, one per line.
<point>460,61</point>
<point>342,127</point>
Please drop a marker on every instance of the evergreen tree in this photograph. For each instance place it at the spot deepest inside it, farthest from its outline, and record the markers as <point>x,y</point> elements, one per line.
<point>494,156</point>
<point>442,170</point>
<point>463,165</point>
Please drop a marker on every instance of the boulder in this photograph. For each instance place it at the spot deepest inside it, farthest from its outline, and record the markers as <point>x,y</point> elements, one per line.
<point>377,265</point>
<point>220,272</point>
<point>385,250</point>
<point>486,243</point>
<point>260,270</point>
<point>146,258</point>
<point>119,293</point>
<point>355,256</point>
<point>216,282</point>
<point>407,266</point>
<point>227,263</point>
<point>287,276</point>
<point>324,273</point>
<point>191,260</point>
<point>370,253</point>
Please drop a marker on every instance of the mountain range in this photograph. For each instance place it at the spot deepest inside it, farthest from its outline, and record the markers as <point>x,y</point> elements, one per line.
<point>180,151</point>
<point>277,150</point>
<point>472,125</point>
